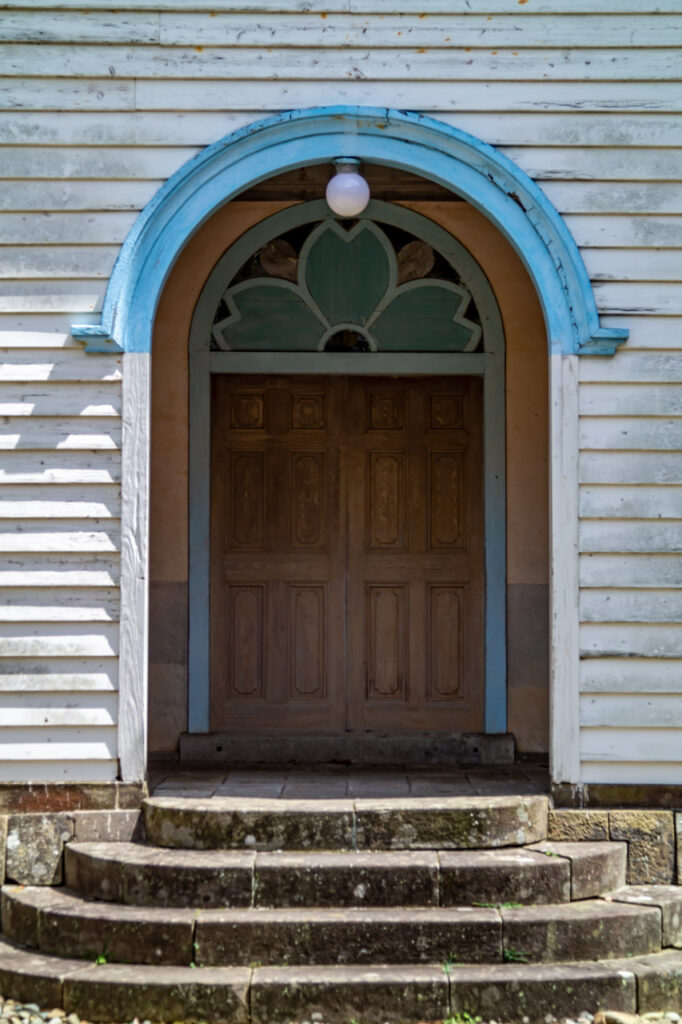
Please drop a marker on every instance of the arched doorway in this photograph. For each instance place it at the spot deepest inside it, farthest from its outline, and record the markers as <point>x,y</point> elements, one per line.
<point>357,582</point>
<point>506,197</point>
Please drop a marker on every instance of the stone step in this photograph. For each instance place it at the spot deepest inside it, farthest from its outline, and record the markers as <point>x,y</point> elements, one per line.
<point>59,921</point>
<point>142,875</point>
<point>411,823</point>
<point>375,993</point>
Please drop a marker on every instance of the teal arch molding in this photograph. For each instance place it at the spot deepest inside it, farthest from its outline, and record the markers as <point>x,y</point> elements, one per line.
<point>454,159</point>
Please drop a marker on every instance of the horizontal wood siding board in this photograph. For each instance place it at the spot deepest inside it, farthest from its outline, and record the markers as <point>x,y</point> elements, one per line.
<point>382,7</point>
<point>57,228</point>
<point>52,432</point>
<point>638,297</point>
<point>100,163</point>
<point>54,710</point>
<point>59,769</point>
<point>611,605</point>
<point>59,604</point>
<point>198,128</point>
<point>631,675</point>
<point>655,711</point>
<point>24,675</point>
<point>640,773</point>
<point>653,745</point>
<point>68,399</point>
<point>59,570</point>
<point>68,640</point>
<point>60,501</point>
<point>606,570</point>
<point>509,97</point>
<point>634,265</point>
<point>630,433</point>
<point>33,261</point>
<point>631,467</point>
<point>341,30</point>
<point>628,535</point>
<point>77,195</point>
<point>633,367</point>
<point>637,231</point>
<point>390,64</point>
<point>608,502</point>
<point>631,399</point>
<point>61,467</point>
<point>659,640</point>
<point>67,743</point>
<point>24,366</point>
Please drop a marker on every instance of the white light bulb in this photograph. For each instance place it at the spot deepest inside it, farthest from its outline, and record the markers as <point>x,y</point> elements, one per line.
<point>347,192</point>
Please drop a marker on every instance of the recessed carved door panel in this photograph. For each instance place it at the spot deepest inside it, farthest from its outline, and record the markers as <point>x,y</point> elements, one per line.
<point>347,554</point>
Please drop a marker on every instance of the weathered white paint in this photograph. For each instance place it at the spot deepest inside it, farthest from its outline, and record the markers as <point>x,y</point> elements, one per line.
<point>636,675</point>
<point>564,616</point>
<point>97,112</point>
<point>58,709</point>
<point>653,711</point>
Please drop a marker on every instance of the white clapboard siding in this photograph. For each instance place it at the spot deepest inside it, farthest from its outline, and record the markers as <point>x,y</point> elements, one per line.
<point>619,197</point>
<point>195,128</point>
<point>60,502</point>
<point>70,743</point>
<point>631,675</point>
<point>47,675</point>
<point>383,7</point>
<point>631,535</point>
<point>76,195</point>
<point>60,770</point>
<point>215,94</point>
<point>62,535</point>
<point>32,330</point>
<point>341,30</point>
<point>639,297</point>
<point>633,367</point>
<point>584,163</point>
<point>59,570</point>
<point>640,773</point>
<point>68,640</point>
<point>72,261</point>
<point>390,64</point>
<point>64,26</point>
<point>49,399</point>
<point>632,745</point>
<point>610,502</point>
<point>631,467</point>
<point>631,606</point>
<point>616,710</point>
<point>631,399</point>
<point>58,709</point>
<point>99,163</point>
<point>635,640</point>
<point>634,265</point>
<point>62,94</point>
<point>50,432</point>
<point>621,570</point>
<point>641,231</point>
<point>89,228</point>
<point>75,296</point>
<point>648,332</point>
<point>61,467</point>
<point>630,432</point>
<point>46,604</point>
<point>76,365</point>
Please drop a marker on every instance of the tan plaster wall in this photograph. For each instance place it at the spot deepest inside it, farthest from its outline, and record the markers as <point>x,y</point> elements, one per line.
<point>527,468</point>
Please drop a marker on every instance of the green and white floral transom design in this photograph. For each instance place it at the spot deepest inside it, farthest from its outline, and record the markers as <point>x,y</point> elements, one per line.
<point>339,286</point>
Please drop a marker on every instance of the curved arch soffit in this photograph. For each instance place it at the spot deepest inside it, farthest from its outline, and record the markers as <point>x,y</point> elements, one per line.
<point>452,158</point>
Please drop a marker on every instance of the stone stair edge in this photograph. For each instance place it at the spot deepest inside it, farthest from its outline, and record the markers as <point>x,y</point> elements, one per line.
<point>645,983</point>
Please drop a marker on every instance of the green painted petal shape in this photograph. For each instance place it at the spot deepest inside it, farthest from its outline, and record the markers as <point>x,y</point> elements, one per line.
<point>347,273</point>
<point>424,317</point>
<point>270,316</point>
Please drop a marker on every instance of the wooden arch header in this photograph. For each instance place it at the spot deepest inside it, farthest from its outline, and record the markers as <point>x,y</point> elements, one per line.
<point>421,145</point>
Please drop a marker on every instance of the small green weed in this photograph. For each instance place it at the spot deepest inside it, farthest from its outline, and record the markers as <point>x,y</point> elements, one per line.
<point>515,956</point>
<point>101,958</point>
<point>463,1018</point>
<point>500,906</point>
<point>449,964</point>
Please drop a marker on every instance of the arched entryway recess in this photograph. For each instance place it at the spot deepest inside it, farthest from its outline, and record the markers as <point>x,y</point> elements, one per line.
<point>409,142</point>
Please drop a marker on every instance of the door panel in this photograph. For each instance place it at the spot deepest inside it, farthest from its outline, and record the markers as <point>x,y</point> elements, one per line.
<point>278,555</point>
<point>415,559</point>
<point>347,554</point>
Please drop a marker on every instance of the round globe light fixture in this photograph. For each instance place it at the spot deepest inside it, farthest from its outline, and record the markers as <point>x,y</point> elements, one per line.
<point>347,192</point>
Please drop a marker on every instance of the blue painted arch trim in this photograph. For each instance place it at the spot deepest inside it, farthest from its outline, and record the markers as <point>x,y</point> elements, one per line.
<point>422,145</point>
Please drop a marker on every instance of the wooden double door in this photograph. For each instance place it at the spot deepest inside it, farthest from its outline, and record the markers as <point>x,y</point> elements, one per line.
<point>347,554</point>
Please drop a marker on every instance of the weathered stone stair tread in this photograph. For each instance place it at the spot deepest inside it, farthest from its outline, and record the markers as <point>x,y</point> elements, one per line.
<point>596,867</point>
<point>668,899</point>
<point>58,921</point>
<point>118,992</point>
<point>400,823</point>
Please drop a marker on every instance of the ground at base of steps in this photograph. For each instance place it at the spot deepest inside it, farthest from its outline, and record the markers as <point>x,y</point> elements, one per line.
<point>12,1012</point>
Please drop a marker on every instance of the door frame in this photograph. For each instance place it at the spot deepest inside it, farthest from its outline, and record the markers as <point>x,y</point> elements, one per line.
<point>488,364</point>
